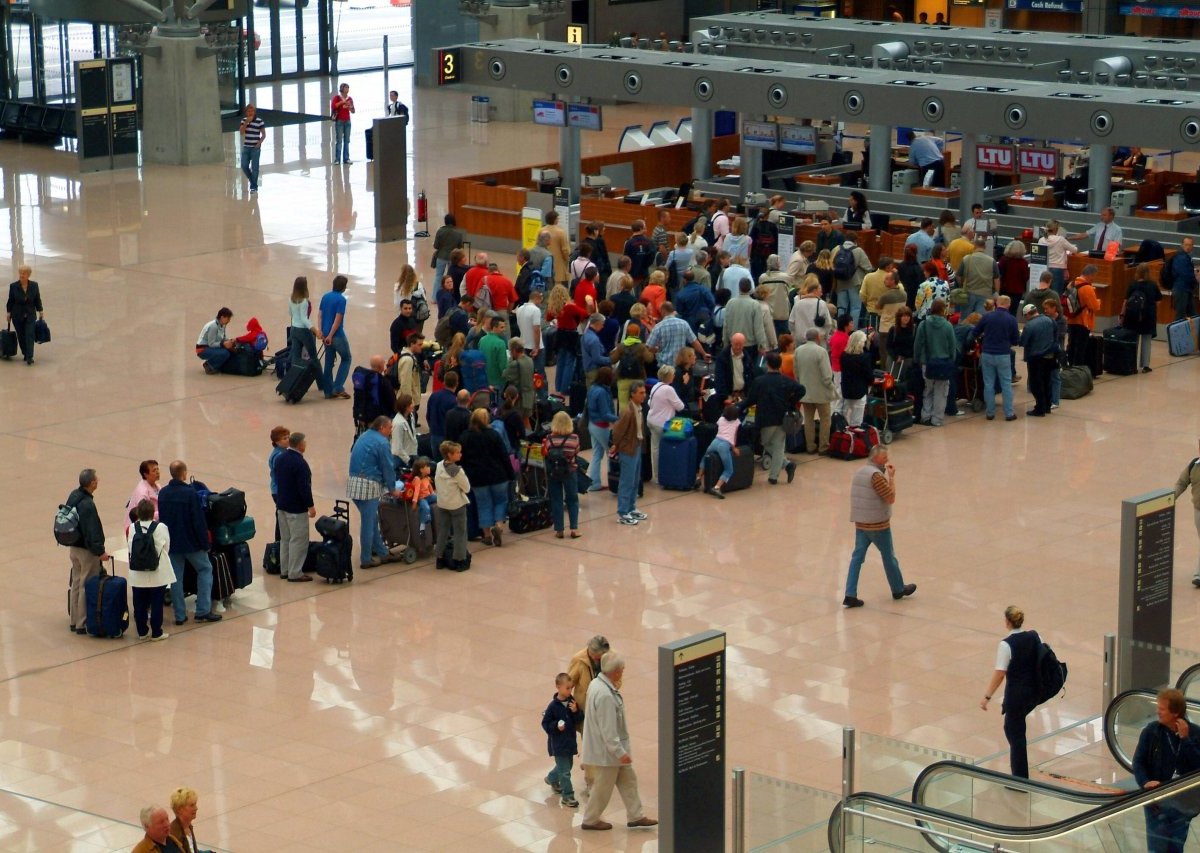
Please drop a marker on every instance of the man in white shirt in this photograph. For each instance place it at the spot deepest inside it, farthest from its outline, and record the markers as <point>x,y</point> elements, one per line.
<point>733,272</point>
<point>529,324</point>
<point>979,223</point>
<point>1102,233</point>
<point>613,287</point>
<point>720,223</point>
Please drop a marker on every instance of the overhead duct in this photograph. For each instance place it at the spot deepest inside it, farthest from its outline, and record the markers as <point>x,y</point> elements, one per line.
<point>890,50</point>
<point>1112,65</point>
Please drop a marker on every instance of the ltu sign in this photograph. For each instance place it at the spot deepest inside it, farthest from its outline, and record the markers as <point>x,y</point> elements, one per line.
<point>1038,161</point>
<point>995,158</point>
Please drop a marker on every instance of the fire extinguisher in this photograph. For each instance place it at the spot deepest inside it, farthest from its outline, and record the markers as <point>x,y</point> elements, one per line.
<point>422,214</point>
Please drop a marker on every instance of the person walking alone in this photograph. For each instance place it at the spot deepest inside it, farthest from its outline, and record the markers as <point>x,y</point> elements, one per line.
<point>1016,661</point>
<point>872,495</point>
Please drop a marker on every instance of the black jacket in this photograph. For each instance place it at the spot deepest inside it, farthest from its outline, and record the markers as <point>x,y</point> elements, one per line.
<point>774,395</point>
<point>1021,680</point>
<point>858,372</point>
<point>1160,754</point>
<point>564,742</point>
<point>91,531</point>
<point>1152,294</point>
<point>457,421</point>
<point>900,341</point>
<point>484,458</point>
<point>723,372</point>
<point>24,305</point>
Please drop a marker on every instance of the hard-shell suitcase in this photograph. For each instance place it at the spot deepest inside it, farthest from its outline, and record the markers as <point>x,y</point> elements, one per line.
<point>299,378</point>
<point>333,561</point>
<point>677,464</point>
<point>106,597</point>
<point>526,515</point>
<point>234,532</point>
<point>1120,351</point>
<point>1095,355</point>
<point>1181,336</point>
<point>743,470</point>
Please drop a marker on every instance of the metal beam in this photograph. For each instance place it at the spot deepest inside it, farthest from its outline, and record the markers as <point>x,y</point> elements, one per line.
<point>1086,115</point>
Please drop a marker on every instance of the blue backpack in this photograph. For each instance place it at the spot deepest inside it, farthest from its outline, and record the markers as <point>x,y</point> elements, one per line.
<point>472,370</point>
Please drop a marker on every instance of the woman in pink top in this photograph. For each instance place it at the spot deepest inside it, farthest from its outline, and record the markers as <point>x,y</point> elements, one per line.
<point>146,489</point>
<point>1058,247</point>
<point>837,346</point>
<point>664,404</point>
<point>724,447</point>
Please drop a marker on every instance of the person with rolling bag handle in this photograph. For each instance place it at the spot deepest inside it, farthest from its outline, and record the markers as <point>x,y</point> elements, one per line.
<point>77,526</point>
<point>25,312</point>
<point>150,571</point>
<point>1139,316</point>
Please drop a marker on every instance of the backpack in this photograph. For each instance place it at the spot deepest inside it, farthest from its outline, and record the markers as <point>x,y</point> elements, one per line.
<point>366,394</point>
<point>844,264</point>
<point>1072,296</point>
<point>442,333</point>
<point>420,307</point>
<point>629,366</point>
<point>558,466</point>
<point>1051,673</point>
<point>66,525</point>
<point>765,238</point>
<point>1166,276</point>
<point>710,234</point>
<point>143,555</point>
<point>1135,307</point>
<point>483,297</point>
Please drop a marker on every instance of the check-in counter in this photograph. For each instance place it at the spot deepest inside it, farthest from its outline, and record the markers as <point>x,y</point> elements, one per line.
<point>1112,278</point>
<point>618,216</point>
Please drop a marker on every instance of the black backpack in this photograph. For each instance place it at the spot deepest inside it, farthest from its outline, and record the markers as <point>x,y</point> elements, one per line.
<point>710,234</point>
<point>558,466</point>
<point>1135,307</point>
<point>629,366</point>
<point>1051,673</point>
<point>143,555</point>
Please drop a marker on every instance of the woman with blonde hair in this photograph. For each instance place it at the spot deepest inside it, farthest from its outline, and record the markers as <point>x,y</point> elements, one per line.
<point>858,371</point>
<point>410,289</point>
<point>558,297</point>
<point>695,240</point>
<point>822,268</point>
<point>564,490</point>
<point>737,243</point>
<point>1058,248</point>
<point>185,804</point>
<point>1016,661</point>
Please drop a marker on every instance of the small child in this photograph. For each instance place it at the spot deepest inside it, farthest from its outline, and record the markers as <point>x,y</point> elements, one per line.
<point>452,487</point>
<point>447,298</point>
<point>559,721</point>
<point>724,446</point>
<point>423,496</point>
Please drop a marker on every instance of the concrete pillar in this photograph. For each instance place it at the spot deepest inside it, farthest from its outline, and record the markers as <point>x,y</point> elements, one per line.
<point>702,135</point>
<point>390,169</point>
<point>1099,176</point>
<point>881,158</point>
<point>970,179</point>
<point>1101,17</point>
<point>752,170</point>
<point>569,169</point>
<point>182,108</point>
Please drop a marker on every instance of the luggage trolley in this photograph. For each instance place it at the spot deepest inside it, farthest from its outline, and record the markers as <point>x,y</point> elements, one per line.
<point>400,524</point>
<point>889,409</point>
<point>970,377</point>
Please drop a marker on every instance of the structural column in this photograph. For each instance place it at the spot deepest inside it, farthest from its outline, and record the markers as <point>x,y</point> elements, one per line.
<point>1099,176</point>
<point>569,169</point>
<point>702,136</point>
<point>970,179</point>
<point>881,158</point>
<point>752,170</point>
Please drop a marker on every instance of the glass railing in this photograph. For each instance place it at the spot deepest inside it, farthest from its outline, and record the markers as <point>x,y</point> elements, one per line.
<point>783,816</point>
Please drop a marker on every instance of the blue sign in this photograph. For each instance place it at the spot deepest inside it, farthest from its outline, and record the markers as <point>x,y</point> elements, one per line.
<point>1074,7</point>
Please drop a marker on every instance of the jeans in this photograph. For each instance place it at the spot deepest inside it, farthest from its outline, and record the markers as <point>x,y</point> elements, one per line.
<point>774,442</point>
<point>250,158</point>
<point>631,477</point>
<point>1166,828</point>
<point>1182,302</point>
<point>425,510</point>
<point>451,523</point>
<point>882,540</point>
<point>1058,280</point>
<point>492,504</point>
<point>564,373</point>
<point>293,543</point>
<point>723,450</point>
<point>560,776</point>
<point>1055,385</point>
<point>933,406</point>
<point>1014,732</point>
<point>341,142</point>
<point>215,356</point>
<point>304,339</point>
<point>849,302</point>
<point>370,540</point>
<point>24,330</point>
<point>854,411</point>
<point>1144,343</point>
<point>439,272</point>
<point>997,369</point>
<point>148,605</point>
<point>204,576</point>
<point>974,304</point>
<point>564,492</point>
<point>339,347</point>
<point>600,438</point>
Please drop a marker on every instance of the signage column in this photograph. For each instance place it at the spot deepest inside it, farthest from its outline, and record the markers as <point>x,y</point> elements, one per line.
<point>562,206</point>
<point>691,737</point>
<point>1147,563</point>
<point>787,238</point>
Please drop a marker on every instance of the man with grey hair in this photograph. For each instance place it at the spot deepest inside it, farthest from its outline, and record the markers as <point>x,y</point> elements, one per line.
<point>606,749</point>
<point>86,545</point>
<point>744,316</point>
<point>777,283</point>
<point>157,824</point>
<point>872,494</point>
<point>979,276</point>
<point>813,370</point>
<point>294,502</point>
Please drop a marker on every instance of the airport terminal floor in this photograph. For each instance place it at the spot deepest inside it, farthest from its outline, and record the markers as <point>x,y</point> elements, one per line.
<point>402,711</point>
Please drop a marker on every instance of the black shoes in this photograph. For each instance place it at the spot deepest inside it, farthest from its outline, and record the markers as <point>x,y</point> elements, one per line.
<point>909,589</point>
<point>182,621</point>
<point>1034,413</point>
<point>851,601</point>
<point>1011,417</point>
<point>791,471</point>
<point>209,617</point>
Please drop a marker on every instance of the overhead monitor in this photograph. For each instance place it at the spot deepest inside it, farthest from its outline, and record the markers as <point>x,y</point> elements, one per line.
<point>585,116</point>
<point>550,113</point>
<point>761,134</point>
<point>798,138</point>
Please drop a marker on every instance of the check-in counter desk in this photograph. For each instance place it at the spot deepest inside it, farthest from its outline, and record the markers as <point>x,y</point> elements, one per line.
<point>1113,278</point>
<point>618,216</point>
<point>489,205</point>
<point>867,239</point>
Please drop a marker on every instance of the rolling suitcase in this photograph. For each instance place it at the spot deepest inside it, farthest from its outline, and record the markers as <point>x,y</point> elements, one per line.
<point>1120,351</point>
<point>270,561</point>
<point>283,362</point>
<point>743,470</point>
<point>298,379</point>
<point>335,527</point>
<point>332,559</point>
<point>677,464</point>
<point>222,577</point>
<point>106,597</point>
<point>241,565</point>
<point>8,342</point>
<point>526,515</point>
<point>234,532</point>
<point>1095,355</point>
<point>1181,336</point>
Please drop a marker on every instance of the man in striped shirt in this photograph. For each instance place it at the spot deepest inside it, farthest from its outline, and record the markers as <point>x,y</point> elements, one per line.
<point>253,130</point>
<point>872,494</point>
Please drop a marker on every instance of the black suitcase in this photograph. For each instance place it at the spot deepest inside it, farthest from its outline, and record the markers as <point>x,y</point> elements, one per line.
<point>283,362</point>
<point>335,527</point>
<point>226,507</point>
<point>1120,351</point>
<point>333,560</point>
<point>1095,355</point>
<point>743,470</point>
<point>8,342</point>
<point>106,597</point>
<point>299,378</point>
<point>243,361</point>
<point>704,434</point>
<point>241,565</point>
<point>271,558</point>
<point>529,515</point>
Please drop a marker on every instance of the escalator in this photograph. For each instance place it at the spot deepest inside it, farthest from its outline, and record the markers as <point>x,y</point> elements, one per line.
<point>962,807</point>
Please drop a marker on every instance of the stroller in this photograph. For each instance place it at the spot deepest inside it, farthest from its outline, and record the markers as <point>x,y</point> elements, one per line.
<point>889,409</point>
<point>400,524</point>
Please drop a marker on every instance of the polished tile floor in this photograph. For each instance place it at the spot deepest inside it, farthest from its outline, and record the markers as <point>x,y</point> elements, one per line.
<point>402,712</point>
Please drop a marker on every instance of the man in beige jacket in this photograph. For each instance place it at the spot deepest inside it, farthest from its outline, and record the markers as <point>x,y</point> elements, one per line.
<point>560,249</point>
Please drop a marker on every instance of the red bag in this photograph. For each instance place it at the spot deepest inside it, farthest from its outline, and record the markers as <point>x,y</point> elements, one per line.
<point>853,442</point>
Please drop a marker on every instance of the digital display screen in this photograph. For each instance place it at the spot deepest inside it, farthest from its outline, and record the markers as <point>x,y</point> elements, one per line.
<point>761,134</point>
<point>584,116</point>
<point>798,138</point>
<point>550,113</point>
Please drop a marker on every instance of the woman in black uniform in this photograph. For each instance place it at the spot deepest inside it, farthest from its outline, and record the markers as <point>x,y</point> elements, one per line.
<point>1016,660</point>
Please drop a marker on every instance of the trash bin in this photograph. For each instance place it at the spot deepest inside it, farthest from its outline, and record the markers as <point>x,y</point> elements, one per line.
<point>481,106</point>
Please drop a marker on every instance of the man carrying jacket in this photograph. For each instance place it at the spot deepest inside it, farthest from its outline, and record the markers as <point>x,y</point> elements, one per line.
<point>88,553</point>
<point>774,395</point>
<point>179,509</point>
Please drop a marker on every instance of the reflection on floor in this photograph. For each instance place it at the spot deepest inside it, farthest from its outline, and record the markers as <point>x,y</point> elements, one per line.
<point>401,712</point>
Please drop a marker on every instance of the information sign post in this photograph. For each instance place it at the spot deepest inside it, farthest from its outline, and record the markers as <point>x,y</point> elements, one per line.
<point>1147,561</point>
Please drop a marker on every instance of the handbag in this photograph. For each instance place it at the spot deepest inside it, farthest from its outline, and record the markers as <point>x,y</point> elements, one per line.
<point>792,422</point>
<point>41,332</point>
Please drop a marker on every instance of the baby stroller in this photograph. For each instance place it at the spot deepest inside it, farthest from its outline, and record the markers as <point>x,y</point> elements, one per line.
<point>970,377</point>
<point>400,524</point>
<point>889,409</point>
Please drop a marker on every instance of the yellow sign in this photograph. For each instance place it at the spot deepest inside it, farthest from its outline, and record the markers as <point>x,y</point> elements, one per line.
<point>531,224</point>
<point>576,34</point>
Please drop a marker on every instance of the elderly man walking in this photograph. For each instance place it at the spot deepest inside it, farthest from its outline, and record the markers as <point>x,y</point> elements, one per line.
<point>872,494</point>
<point>606,749</point>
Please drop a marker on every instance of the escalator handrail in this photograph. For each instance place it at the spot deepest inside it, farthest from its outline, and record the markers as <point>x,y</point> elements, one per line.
<point>1032,786</point>
<point>1110,737</point>
<point>1015,834</point>
<point>1186,677</point>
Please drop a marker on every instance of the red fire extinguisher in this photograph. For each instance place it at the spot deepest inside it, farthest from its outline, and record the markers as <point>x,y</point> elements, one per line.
<point>422,214</point>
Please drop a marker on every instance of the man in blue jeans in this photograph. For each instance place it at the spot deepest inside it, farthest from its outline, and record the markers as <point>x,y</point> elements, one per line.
<point>179,509</point>
<point>331,317</point>
<point>1000,334</point>
<point>372,475</point>
<point>872,494</point>
<point>627,437</point>
<point>253,130</point>
<point>212,346</point>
